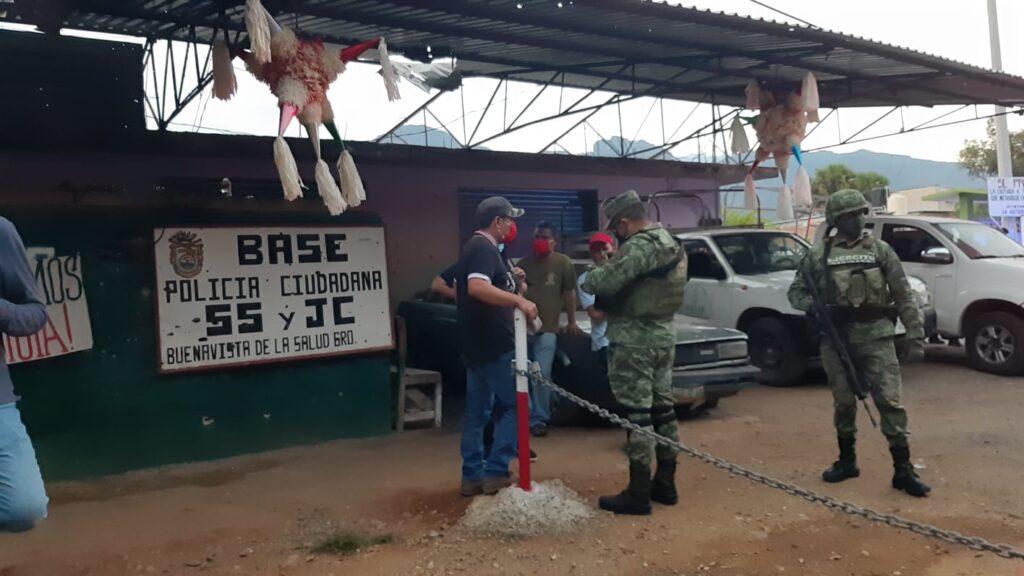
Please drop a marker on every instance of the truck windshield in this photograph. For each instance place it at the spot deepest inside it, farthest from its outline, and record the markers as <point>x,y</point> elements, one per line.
<point>979,241</point>
<point>760,253</point>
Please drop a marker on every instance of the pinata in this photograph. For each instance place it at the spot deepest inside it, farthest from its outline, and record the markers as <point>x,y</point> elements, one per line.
<point>780,128</point>
<point>299,72</point>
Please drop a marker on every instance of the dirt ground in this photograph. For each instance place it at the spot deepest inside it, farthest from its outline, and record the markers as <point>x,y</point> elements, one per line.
<point>263,514</point>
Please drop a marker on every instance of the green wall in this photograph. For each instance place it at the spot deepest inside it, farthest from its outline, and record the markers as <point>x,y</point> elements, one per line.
<point>107,410</point>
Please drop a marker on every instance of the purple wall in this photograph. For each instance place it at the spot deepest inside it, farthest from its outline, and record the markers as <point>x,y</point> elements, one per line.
<point>416,196</point>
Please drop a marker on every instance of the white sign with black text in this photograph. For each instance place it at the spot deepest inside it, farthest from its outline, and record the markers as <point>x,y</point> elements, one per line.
<point>229,296</point>
<point>1006,196</point>
<point>67,329</point>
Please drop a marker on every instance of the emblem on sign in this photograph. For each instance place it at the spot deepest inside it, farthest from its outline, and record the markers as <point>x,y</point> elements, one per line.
<point>186,254</point>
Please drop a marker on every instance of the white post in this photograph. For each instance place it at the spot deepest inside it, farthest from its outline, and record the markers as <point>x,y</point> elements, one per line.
<point>1003,161</point>
<point>522,399</point>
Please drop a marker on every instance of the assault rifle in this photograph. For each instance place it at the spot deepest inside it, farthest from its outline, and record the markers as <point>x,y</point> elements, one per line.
<point>823,316</point>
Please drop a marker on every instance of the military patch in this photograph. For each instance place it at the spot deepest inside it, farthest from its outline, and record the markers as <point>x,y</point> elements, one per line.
<point>846,259</point>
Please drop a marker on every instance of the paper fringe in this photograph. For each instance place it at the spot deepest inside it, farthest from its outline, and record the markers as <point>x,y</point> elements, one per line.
<point>809,93</point>
<point>785,211</point>
<point>388,71</point>
<point>740,144</point>
<point>802,188</point>
<point>329,191</point>
<point>259,30</point>
<point>782,163</point>
<point>749,193</point>
<point>224,83</point>
<point>351,185</point>
<point>287,170</point>
<point>753,92</point>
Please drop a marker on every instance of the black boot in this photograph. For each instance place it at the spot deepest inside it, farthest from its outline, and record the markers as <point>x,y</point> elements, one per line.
<point>904,477</point>
<point>634,500</point>
<point>846,467</point>
<point>663,487</point>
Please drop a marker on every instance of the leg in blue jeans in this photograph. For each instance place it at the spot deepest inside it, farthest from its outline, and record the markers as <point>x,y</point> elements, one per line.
<point>543,350</point>
<point>22,494</point>
<point>493,382</point>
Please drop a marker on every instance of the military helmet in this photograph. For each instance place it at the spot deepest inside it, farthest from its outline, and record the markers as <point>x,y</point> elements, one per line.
<point>844,202</point>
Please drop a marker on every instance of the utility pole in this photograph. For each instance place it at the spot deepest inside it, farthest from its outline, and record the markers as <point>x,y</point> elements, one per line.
<point>1003,161</point>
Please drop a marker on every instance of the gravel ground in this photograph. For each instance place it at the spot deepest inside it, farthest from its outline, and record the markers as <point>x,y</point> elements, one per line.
<point>263,514</point>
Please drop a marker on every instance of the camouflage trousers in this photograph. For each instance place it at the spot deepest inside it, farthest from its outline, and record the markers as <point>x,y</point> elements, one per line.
<point>879,370</point>
<point>641,381</point>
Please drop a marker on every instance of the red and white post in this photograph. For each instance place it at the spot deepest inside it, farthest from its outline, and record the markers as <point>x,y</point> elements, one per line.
<point>522,400</point>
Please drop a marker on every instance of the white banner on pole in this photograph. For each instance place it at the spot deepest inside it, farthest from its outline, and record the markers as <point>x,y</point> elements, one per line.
<point>229,296</point>
<point>67,330</point>
<point>1006,196</point>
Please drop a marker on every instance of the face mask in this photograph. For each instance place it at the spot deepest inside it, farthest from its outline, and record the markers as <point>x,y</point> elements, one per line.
<point>512,231</point>
<point>851,226</point>
<point>541,247</point>
<point>501,248</point>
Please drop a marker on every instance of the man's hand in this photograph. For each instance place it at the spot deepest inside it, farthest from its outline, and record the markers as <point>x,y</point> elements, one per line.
<point>528,308</point>
<point>914,351</point>
<point>519,274</point>
<point>572,329</point>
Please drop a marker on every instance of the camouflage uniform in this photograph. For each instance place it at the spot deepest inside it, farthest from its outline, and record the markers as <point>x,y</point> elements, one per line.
<point>640,289</point>
<point>865,286</point>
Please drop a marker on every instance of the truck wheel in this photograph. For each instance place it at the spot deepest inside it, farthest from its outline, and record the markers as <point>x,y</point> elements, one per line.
<point>774,350</point>
<point>995,343</point>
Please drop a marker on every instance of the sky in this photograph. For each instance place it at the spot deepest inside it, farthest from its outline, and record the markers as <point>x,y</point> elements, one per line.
<point>955,29</point>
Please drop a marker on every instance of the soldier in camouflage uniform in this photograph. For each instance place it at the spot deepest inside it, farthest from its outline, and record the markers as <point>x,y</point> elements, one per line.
<point>864,285</point>
<point>640,289</point>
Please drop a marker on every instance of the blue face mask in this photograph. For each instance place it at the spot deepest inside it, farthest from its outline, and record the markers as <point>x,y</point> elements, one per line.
<point>501,248</point>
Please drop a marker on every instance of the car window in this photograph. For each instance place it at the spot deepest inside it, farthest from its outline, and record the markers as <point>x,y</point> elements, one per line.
<point>909,241</point>
<point>980,241</point>
<point>761,253</point>
<point>700,259</point>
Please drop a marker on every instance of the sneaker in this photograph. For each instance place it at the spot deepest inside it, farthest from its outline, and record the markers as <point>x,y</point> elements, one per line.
<point>494,484</point>
<point>540,430</point>
<point>533,456</point>
<point>471,488</point>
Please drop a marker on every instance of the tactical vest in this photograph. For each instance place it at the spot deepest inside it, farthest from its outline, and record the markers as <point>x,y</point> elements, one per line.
<point>657,293</point>
<point>855,280</point>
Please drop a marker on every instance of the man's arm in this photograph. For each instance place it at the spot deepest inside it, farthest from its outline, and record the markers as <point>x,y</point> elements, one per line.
<point>22,313</point>
<point>439,286</point>
<point>611,278</point>
<point>906,304</point>
<point>487,293</point>
<point>799,296</point>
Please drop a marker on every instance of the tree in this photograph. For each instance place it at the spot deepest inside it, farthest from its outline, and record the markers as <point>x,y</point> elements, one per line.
<point>836,177</point>
<point>734,218</point>
<point>868,181</point>
<point>979,156</point>
<point>832,178</point>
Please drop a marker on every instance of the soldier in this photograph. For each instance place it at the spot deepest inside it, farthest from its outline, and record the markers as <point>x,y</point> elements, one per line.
<point>640,289</point>
<point>861,279</point>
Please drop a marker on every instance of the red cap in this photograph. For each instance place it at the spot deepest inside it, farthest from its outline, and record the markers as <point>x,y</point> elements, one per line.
<point>600,238</point>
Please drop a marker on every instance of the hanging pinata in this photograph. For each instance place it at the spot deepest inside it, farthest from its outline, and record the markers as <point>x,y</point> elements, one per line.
<point>299,71</point>
<point>780,128</point>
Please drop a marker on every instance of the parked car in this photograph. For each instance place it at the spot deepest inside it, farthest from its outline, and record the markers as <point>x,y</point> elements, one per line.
<point>976,276</point>
<point>740,277</point>
<point>710,363</point>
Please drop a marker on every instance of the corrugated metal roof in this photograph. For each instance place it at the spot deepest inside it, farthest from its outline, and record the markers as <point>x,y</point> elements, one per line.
<point>624,46</point>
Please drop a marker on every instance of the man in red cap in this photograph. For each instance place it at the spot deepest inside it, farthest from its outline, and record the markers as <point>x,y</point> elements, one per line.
<point>601,249</point>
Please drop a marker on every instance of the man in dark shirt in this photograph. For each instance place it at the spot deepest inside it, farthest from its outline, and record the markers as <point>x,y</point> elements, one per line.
<point>486,297</point>
<point>22,495</point>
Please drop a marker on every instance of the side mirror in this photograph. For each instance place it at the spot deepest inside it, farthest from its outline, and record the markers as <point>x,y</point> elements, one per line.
<point>936,255</point>
<point>717,271</point>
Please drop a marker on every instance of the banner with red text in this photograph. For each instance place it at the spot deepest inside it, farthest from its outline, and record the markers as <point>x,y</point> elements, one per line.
<point>61,288</point>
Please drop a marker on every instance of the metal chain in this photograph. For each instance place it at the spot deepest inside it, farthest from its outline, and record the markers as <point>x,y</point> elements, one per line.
<point>972,542</point>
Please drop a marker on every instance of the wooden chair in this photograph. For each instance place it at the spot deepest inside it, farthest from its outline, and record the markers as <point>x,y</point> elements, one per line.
<point>415,387</point>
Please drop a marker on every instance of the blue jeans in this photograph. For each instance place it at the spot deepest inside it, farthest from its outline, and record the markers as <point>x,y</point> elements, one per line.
<point>22,495</point>
<point>484,383</point>
<point>542,351</point>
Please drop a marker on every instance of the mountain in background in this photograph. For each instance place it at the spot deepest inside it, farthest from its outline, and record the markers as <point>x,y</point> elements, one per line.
<point>612,147</point>
<point>903,172</point>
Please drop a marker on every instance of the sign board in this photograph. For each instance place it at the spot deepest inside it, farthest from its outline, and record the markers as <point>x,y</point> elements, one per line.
<point>59,279</point>
<point>1006,196</point>
<point>230,296</point>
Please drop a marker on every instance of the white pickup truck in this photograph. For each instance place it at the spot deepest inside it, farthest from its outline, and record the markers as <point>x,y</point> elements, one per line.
<point>976,277</point>
<point>739,278</point>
